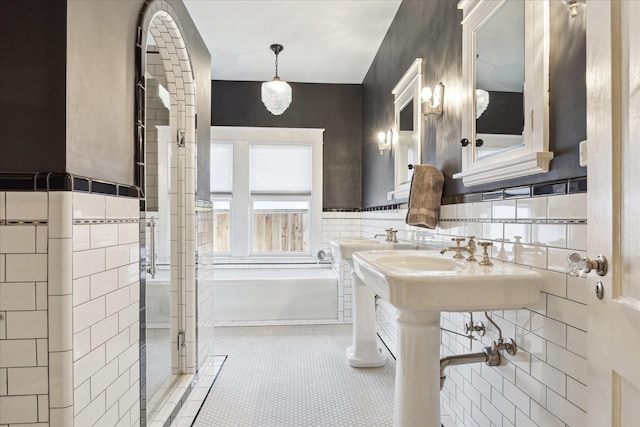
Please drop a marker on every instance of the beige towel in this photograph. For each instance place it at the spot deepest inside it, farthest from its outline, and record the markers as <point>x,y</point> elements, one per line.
<point>425,196</point>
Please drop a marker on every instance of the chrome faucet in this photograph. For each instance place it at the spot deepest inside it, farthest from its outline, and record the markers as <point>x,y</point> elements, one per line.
<point>470,248</point>
<point>390,236</point>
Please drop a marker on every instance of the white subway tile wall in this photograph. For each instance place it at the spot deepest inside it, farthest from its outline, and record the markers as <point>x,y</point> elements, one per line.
<point>341,225</point>
<point>205,283</point>
<point>544,384</point>
<point>103,350</point>
<point>24,310</point>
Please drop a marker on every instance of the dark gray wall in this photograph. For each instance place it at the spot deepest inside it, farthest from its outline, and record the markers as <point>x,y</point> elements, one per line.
<point>101,40</point>
<point>335,107</point>
<point>100,93</point>
<point>32,85</point>
<point>67,87</point>
<point>431,30</point>
<point>504,114</point>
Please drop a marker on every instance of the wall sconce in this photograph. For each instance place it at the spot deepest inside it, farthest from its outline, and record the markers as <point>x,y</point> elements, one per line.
<point>573,6</point>
<point>385,140</point>
<point>432,100</point>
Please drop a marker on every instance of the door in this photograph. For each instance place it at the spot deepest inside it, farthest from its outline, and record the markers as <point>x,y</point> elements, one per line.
<point>164,161</point>
<point>613,132</point>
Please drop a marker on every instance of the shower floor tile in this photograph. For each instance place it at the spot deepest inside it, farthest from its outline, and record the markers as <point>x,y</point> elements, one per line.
<point>281,376</point>
<point>158,359</point>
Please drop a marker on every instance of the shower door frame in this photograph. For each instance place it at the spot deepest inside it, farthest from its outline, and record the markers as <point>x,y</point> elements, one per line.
<point>181,83</point>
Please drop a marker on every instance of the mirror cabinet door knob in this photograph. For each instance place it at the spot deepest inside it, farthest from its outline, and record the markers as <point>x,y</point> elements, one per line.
<point>464,142</point>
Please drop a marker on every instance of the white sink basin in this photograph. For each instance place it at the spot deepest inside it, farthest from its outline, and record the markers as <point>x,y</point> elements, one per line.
<point>349,246</point>
<point>364,351</point>
<point>421,284</point>
<point>429,281</point>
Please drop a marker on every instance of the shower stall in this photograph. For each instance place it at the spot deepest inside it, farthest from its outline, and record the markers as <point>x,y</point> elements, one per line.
<point>164,325</point>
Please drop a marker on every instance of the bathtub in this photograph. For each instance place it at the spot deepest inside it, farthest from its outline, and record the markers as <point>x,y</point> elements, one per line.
<point>158,293</point>
<point>275,294</point>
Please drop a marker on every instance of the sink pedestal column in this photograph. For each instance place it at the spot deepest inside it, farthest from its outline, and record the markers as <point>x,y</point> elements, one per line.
<point>417,385</point>
<point>364,351</point>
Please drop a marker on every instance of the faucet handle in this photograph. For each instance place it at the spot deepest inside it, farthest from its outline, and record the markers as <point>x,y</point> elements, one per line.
<point>485,254</point>
<point>458,248</point>
<point>391,234</point>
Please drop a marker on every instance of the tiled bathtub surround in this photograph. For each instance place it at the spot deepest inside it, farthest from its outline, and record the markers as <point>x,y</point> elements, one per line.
<point>341,225</point>
<point>335,225</point>
<point>545,382</point>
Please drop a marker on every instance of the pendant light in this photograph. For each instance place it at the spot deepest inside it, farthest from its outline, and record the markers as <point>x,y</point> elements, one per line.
<point>276,94</point>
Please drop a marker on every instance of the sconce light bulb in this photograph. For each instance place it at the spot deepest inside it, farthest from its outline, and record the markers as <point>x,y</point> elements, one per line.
<point>437,94</point>
<point>381,137</point>
<point>573,10</point>
<point>573,6</point>
<point>426,94</point>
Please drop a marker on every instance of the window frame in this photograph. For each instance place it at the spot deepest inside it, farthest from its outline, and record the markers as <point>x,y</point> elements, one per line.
<point>241,223</point>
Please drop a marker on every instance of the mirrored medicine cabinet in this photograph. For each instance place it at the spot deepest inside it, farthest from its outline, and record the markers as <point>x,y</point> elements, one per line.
<point>505,132</point>
<point>407,128</point>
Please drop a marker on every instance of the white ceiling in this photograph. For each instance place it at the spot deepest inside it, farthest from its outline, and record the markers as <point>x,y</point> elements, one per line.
<point>325,41</point>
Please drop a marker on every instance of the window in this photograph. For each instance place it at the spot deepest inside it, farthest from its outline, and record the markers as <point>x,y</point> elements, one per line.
<point>267,190</point>
<point>222,226</point>
<point>221,168</point>
<point>280,196</point>
<point>278,169</point>
<point>280,226</point>
<point>221,194</point>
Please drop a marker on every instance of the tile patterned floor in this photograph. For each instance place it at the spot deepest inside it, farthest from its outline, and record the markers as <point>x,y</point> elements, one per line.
<point>297,376</point>
<point>158,359</point>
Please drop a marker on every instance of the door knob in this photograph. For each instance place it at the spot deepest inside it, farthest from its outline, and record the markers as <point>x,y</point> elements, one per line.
<point>579,266</point>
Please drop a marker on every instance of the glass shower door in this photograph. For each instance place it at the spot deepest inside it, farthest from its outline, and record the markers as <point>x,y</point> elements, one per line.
<point>162,285</point>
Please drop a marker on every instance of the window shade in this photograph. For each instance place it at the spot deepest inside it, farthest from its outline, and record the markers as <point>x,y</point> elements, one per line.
<point>281,169</point>
<point>222,168</point>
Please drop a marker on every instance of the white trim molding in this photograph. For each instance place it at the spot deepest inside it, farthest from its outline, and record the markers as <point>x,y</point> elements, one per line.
<point>406,91</point>
<point>243,137</point>
<point>516,167</point>
<point>533,156</point>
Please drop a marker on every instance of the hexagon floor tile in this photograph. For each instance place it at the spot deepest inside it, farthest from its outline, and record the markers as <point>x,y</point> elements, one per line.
<point>295,376</point>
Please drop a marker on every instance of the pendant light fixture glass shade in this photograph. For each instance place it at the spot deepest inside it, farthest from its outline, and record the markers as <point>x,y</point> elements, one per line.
<point>482,101</point>
<point>276,94</point>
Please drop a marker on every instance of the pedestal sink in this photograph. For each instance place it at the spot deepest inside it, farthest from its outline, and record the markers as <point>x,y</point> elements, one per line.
<point>364,352</point>
<point>421,284</point>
